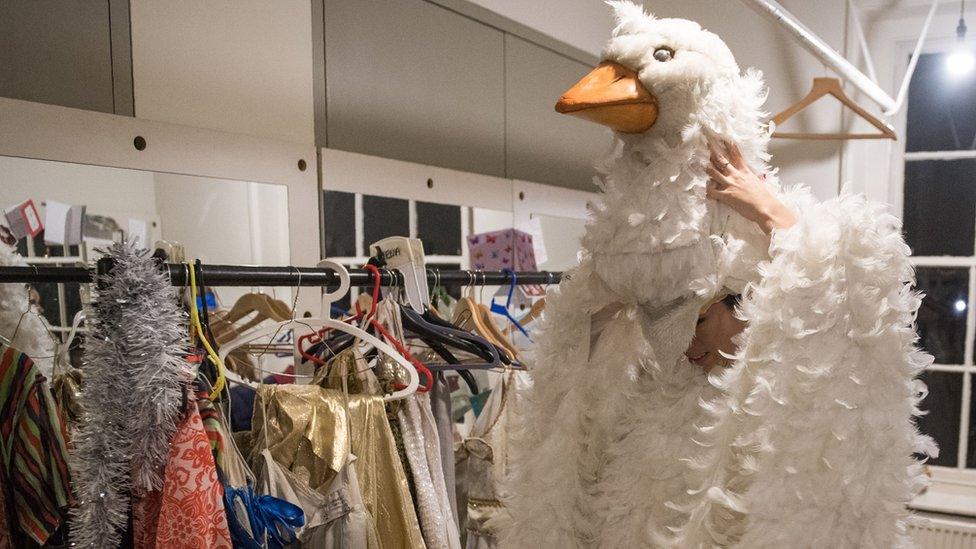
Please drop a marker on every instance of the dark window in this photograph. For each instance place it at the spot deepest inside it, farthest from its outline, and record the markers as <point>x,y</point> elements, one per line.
<point>971,458</point>
<point>439,227</point>
<point>383,217</point>
<point>339,211</point>
<point>942,316</point>
<point>941,116</point>
<point>940,206</point>
<point>942,420</point>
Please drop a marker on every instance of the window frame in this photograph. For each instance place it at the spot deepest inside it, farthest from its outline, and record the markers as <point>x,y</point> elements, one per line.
<point>953,489</point>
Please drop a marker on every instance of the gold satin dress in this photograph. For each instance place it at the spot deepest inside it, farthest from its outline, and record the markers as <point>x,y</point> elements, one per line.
<point>310,430</point>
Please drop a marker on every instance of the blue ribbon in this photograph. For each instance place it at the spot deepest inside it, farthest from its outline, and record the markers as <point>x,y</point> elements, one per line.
<point>274,521</point>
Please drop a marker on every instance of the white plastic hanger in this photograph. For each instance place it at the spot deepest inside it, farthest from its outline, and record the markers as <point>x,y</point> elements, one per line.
<point>61,357</point>
<point>328,298</point>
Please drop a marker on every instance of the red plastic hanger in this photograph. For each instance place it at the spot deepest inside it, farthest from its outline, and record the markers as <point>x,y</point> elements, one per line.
<point>316,337</point>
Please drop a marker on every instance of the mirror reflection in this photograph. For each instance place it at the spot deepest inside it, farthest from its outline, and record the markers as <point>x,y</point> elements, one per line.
<point>76,209</point>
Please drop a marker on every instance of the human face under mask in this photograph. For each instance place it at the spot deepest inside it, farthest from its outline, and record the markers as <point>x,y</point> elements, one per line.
<point>717,326</point>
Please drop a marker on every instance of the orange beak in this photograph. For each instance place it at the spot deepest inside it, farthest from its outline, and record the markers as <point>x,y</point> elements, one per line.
<point>611,95</point>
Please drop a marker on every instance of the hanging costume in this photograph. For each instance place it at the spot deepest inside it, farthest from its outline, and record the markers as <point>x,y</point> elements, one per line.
<point>26,332</point>
<point>808,437</point>
<point>34,481</point>
<point>483,463</point>
<point>188,513</point>
<point>311,432</point>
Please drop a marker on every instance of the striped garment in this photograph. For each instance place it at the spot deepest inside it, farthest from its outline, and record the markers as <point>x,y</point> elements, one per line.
<point>211,424</point>
<point>35,473</point>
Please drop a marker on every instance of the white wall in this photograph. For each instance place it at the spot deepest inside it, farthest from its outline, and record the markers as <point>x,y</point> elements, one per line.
<point>581,23</point>
<point>242,66</point>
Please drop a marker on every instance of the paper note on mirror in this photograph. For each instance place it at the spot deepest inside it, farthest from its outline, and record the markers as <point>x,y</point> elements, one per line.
<point>63,223</point>
<point>534,227</point>
<point>137,232</point>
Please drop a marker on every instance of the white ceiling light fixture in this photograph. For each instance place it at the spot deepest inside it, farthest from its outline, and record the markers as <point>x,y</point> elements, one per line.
<point>961,61</point>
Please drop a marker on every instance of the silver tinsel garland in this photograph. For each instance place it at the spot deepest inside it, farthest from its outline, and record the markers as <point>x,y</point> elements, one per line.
<point>135,375</point>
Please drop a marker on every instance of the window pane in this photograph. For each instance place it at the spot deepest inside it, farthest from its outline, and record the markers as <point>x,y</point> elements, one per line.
<point>971,450</point>
<point>439,227</point>
<point>941,323</point>
<point>340,223</point>
<point>940,206</point>
<point>941,116</point>
<point>942,421</point>
<point>383,217</point>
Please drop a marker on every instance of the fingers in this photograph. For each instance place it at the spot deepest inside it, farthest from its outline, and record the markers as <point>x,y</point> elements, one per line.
<point>735,155</point>
<point>720,179</point>
<point>721,162</point>
<point>718,161</point>
<point>716,188</point>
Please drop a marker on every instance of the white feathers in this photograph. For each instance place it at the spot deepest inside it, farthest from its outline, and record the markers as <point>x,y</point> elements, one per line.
<point>623,443</point>
<point>19,320</point>
<point>832,408</point>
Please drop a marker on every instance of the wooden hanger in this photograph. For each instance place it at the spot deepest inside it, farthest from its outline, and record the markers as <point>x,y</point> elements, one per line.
<point>831,86</point>
<point>262,304</point>
<point>534,312</point>
<point>475,317</point>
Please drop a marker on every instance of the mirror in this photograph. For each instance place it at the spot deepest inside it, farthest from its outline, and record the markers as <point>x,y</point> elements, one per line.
<point>562,241</point>
<point>218,221</point>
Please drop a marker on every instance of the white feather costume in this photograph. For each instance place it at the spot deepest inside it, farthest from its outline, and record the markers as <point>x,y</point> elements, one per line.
<point>807,439</point>
<point>29,333</point>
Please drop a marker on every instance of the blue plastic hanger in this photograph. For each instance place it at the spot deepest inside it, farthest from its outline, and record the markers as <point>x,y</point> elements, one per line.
<point>498,308</point>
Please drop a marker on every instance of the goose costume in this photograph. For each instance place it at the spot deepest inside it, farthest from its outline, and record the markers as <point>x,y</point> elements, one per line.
<point>807,440</point>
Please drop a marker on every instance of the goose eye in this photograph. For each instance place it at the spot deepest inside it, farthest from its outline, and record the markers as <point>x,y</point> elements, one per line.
<point>663,54</point>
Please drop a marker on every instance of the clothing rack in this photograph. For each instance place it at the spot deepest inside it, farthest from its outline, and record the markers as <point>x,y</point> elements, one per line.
<point>249,275</point>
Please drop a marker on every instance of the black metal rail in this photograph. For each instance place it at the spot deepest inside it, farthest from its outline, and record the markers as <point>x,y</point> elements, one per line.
<point>247,275</point>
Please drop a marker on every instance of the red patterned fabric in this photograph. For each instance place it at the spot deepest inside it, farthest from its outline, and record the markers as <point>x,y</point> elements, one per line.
<point>190,508</point>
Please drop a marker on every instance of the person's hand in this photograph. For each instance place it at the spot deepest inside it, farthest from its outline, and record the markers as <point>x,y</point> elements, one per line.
<point>734,183</point>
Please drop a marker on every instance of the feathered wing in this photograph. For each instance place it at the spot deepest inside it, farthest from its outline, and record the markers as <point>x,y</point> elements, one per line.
<point>814,436</point>
<point>541,440</point>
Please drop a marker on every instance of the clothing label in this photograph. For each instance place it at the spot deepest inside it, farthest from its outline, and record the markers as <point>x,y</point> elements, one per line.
<point>407,256</point>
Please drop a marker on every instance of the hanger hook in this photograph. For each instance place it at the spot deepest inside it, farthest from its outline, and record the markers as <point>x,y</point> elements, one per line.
<point>186,275</point>
<point>484,280</point>
<point>298,288</point>
<point>511,288</point>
